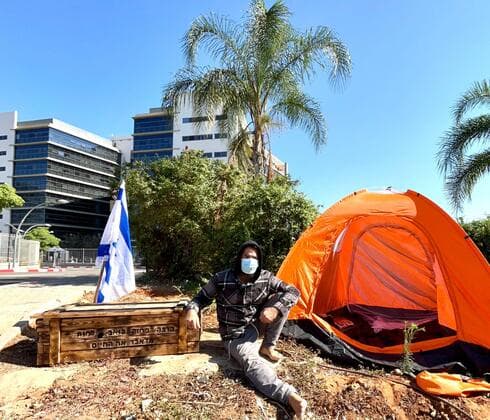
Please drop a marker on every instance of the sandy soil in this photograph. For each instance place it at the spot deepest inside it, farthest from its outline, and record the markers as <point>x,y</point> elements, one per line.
<point>120,389</point>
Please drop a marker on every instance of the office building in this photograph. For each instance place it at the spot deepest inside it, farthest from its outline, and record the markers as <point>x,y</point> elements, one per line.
<point>70,173</point>
<point>66,171</point>
<point>159,134</point>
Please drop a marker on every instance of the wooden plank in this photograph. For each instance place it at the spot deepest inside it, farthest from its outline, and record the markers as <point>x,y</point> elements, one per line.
<point>54,341</point>
<point>118,342</point>
<point>193,335</point>
<point>41,323</point>
<point>126,331</point>
<point>193,347</point>
<point>182,332</point>
<point>153,350</point>
<point>40,354</point>
<point>117,321</point>
<point>102,310</point>
<point>43,359</point>
<point>92,332</point>
<point>85,314</point>
<point>136,306</point>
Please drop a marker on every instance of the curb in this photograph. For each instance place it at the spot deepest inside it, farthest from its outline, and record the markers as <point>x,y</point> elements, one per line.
<point>32,270</point>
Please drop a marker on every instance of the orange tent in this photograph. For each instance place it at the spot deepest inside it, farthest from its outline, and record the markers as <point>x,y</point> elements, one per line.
<point>377,261</point>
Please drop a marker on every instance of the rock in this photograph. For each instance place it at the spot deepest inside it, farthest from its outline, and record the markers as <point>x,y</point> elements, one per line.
<point>203,378</point>
<point>145,404</point>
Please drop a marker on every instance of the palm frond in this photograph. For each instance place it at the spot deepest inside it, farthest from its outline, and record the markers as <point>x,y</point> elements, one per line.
<point>321,47</point>
<point>208,89</point>
<point>179,89</point>
<point>459,138</point>
<point>240,147</point>
<point>463,178</point>
<point>479,94</point>
<point>222,38</point>
<point>302,111</point>
<point>262,61</point>
<point>268,29</point>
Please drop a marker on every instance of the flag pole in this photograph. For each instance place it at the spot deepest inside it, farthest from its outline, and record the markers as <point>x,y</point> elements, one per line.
<point>97,288</point>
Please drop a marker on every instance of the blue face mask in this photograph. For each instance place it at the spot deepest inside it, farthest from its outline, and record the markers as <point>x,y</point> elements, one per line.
<point>249,265</point>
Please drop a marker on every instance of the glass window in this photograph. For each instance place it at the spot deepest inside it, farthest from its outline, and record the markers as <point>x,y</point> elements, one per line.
<point>220,154</point>
<point>37,216</point>
<point>2,168</point>
<point>64,139</point>
<point>202,119</point>
<point>197,137</point>
<point>151,156</point>
<point>207,155</point>
<point>29,152</point>
<point>153,141</point>
<point>63,186</point>
<point>31,167</point>
<point>70,156</point>
<point>220,135</point>
<point>3,137</point>
<point>100,206</point>
<point>49,167</point>
<point>32,135</point>
<point>147,125</point>
<point>86,146</point>
<point>194,119</point>
<point>3,152</point>
<point>30,183</point>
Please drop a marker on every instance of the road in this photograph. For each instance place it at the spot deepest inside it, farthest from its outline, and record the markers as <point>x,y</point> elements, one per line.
<point>24,294</point>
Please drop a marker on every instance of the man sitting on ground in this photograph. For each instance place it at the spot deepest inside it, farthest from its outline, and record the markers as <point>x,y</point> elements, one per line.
<point>249,301</point>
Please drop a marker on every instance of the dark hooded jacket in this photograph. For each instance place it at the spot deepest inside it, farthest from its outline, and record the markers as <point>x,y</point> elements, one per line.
<point>239,304</point>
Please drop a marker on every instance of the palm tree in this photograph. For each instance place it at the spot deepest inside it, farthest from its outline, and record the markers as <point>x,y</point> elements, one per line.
<point>263,63</point>
<point>463,169</point>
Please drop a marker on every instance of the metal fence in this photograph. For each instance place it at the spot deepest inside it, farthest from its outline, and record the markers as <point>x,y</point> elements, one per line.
<point>28,251</point>
<point>74,256</point>
<point>68,256</point>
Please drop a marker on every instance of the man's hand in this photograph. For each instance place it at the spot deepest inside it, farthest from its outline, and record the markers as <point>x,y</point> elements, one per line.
<point>192,319</point>
<point>268,315</point>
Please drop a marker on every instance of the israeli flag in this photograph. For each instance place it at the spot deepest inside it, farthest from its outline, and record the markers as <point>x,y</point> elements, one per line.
<point>115,254</point>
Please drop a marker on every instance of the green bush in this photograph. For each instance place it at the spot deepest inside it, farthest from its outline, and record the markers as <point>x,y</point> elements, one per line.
<point>189,214</point>
<point>272,213</point>
<point>45,238</point>
<point>479,231</point>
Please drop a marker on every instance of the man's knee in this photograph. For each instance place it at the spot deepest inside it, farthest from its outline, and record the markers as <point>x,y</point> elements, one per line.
<point>242,352</point>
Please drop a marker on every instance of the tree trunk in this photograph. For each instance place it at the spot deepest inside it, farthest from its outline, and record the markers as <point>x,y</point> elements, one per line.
<point>256,152</point>
<point>269,166</point>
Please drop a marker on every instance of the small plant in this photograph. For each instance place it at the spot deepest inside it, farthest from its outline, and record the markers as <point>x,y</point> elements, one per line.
<point>406,364</point>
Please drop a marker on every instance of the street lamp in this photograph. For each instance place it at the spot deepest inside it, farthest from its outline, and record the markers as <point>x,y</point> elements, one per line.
<point>35,226</point>
<point>16,239</point>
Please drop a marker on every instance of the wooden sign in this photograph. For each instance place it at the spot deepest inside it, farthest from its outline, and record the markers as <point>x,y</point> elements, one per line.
<point>87,332</point>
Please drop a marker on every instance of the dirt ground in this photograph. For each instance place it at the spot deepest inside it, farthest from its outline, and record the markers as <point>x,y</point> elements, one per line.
<point>117,389</point>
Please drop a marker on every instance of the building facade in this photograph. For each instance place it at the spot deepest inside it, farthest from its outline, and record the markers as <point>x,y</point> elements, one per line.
<point>66,171</point>
<point>66,174</point>
<point>159,134</point>
<point>8,123</point>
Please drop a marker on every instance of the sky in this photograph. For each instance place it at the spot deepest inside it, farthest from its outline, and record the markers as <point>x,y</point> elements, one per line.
<point>95,64</point>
